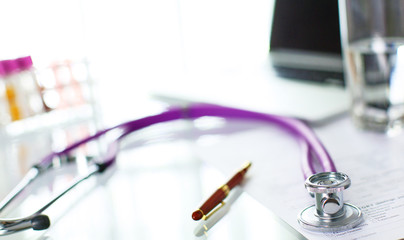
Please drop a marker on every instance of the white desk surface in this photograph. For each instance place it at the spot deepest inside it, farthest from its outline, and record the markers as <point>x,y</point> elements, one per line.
<point>151,195</point>
<point>168,170</point>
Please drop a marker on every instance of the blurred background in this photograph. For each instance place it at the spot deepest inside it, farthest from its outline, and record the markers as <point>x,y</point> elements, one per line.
<point>99,63</point>
<point>134,46</point>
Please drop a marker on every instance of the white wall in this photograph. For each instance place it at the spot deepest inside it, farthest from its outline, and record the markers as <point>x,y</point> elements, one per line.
<point>135,45</point>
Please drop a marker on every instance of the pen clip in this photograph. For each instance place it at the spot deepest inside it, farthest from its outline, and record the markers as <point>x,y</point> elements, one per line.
<point>208,221</point>
<point>217,213</point>
<point>206,217</point>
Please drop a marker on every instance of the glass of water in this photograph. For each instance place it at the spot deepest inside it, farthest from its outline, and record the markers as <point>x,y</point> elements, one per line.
<point>372,35</point>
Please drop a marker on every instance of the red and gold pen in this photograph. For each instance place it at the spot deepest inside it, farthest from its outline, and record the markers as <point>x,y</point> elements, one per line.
<point>220,194</point>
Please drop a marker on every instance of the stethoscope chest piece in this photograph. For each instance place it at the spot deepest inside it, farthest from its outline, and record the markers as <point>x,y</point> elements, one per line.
<point>330,213</point>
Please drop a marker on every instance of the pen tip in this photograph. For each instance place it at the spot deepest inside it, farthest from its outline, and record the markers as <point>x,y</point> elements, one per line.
<point>197,215</point>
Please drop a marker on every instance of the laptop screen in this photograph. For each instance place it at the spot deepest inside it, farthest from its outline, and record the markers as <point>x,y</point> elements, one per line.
<point>310,30</point>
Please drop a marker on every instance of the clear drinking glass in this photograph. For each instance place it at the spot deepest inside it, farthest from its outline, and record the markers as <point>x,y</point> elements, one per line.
<point>372,35</point>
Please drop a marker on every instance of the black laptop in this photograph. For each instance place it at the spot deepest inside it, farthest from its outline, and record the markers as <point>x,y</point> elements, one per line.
<point>305,41</point>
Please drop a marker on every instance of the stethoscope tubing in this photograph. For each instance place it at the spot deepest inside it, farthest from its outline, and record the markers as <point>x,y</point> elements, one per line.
<point>309,142</point>
<point>312,149</point>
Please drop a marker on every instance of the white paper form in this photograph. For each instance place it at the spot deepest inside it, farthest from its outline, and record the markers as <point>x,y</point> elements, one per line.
<point>374,162</point>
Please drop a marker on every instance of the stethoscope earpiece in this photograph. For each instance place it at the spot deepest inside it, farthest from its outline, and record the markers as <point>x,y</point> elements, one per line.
<point>330,213</point>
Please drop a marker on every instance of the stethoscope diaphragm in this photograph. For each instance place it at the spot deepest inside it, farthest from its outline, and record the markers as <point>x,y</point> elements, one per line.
<point>330,213</point>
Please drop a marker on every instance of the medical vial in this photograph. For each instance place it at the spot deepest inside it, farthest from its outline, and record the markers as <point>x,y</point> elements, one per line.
<point>5,117</point>
<point>14,94</point>
<point>30,88</point>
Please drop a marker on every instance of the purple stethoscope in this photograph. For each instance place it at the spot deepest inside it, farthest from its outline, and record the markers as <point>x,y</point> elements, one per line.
<point>328,214</point>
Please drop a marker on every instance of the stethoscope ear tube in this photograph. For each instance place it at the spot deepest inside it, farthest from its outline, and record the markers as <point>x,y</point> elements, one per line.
<point>36,222</point>
<point>309,141</point>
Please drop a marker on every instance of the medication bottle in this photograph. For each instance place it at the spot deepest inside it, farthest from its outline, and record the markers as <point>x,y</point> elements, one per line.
<point>14,93</point>
<point>30,88</point>
<point>5,117</point>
